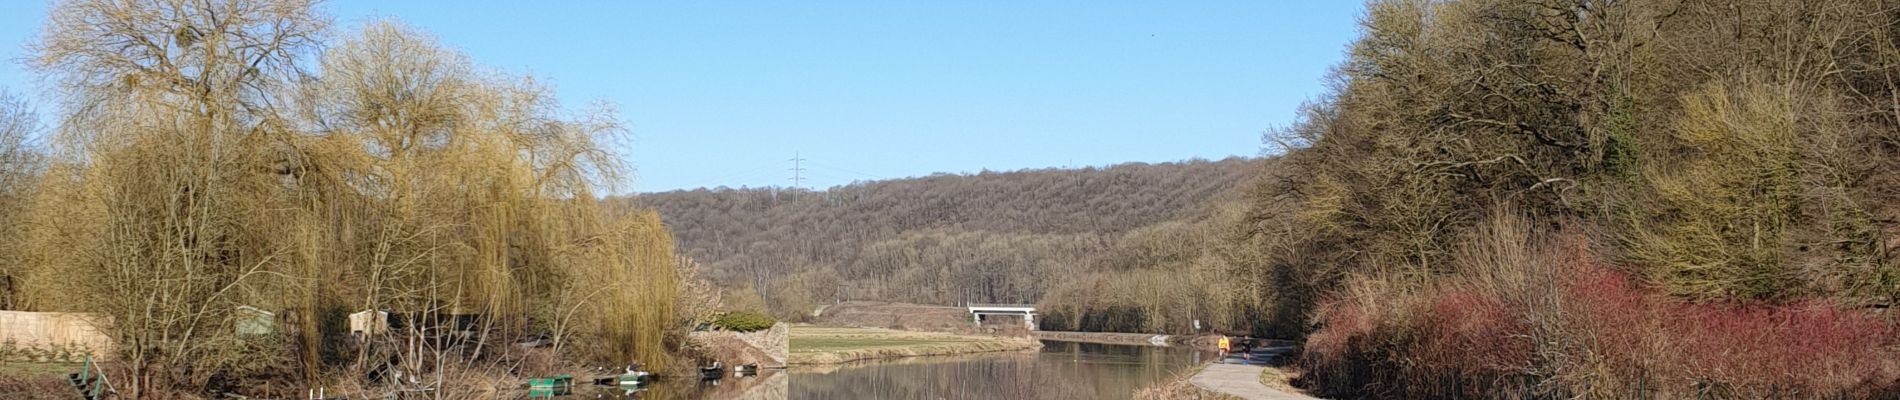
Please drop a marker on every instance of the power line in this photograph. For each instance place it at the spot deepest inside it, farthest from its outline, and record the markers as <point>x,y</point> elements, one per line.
<point>802,170</point>
<point>798,171</point>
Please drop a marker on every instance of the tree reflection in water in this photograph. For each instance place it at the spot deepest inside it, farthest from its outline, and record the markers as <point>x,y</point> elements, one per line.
<point>1061,370</point>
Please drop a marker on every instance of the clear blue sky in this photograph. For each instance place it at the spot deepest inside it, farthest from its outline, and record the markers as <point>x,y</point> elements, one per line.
<point>725,92</point>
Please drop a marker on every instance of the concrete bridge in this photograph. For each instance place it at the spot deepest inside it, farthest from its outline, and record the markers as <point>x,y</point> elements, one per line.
<point>1027,311</point>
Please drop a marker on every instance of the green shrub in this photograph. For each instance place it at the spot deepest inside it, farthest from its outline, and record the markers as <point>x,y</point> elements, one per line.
<point>743,321</point>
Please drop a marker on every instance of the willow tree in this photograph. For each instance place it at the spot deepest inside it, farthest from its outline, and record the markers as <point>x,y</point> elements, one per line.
<point>480,197</point>
<point>200,169</point>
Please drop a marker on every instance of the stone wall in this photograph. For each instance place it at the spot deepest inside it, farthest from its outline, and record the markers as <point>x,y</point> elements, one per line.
<point>768,348</point>
<point>42,331</point>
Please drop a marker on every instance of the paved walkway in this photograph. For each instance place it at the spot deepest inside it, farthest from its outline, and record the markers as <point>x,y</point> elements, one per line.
<point>1241,377</point>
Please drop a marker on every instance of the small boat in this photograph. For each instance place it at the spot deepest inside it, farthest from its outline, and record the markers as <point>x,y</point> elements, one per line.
<point>558,385</point>
<point>636,378</point>
<point>632,377</point>
<point>715,371</point>
<point>745,370</point>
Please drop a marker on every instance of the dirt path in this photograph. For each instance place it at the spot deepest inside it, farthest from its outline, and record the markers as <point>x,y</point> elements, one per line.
<point>1240,377</point>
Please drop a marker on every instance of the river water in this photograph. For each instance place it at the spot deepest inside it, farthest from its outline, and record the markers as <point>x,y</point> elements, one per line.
<point>1060,370</point>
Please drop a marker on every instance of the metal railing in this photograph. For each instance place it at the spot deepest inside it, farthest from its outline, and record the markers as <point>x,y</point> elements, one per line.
<point>91,381</point>
<point>999,305</point>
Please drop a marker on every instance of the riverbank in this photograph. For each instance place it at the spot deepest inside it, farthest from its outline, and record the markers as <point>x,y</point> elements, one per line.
<point>1132,339</point>
<point>831,345</point>
<point>1202,341</point>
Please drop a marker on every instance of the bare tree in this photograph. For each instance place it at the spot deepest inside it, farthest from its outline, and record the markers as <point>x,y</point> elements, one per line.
<point>22,163</point>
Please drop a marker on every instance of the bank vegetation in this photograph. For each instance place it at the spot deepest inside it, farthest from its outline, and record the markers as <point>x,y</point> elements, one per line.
<point>1581,198</point>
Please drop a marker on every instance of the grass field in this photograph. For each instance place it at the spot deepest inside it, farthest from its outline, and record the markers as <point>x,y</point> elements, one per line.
<point>35,369</point>
<point>824,345</point>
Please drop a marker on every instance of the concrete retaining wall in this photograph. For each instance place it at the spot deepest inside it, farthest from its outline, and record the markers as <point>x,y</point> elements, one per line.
<point>49,331</point>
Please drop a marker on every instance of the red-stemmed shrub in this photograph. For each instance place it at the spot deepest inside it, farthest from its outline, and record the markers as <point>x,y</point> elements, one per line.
<point>1474,335</point>
<point>1605,335</point>
<point>1453,344</point>
<point>1801,348</point>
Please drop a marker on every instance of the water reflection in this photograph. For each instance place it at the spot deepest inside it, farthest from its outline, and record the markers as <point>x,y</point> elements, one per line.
<point>1061,370</point>
<point>767,385</point>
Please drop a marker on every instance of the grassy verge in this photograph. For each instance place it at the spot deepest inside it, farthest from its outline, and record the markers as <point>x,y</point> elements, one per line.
<point>820,345</point>
<point>1279,378</point>
<point>24,380</point>
<point>1178,388</point>
<point>37,369</point>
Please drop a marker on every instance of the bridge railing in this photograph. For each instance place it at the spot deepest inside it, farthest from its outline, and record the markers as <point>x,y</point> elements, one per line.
<point>1007,305</point>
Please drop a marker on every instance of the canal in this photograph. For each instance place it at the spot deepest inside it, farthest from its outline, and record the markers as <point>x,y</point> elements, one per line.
<point>1060,370</point>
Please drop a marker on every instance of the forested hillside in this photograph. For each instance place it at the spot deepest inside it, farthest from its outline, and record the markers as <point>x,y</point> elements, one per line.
<point>1603,199</point>
<point>942,239</point>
